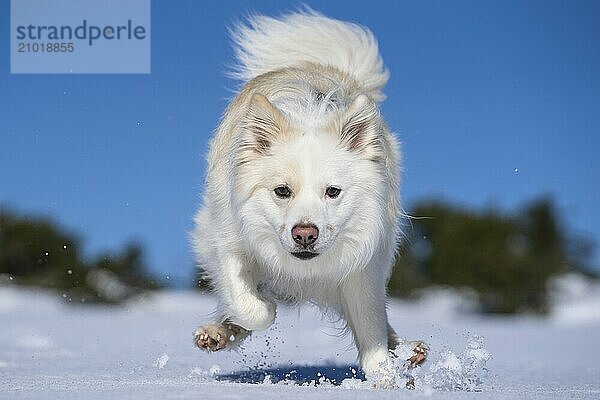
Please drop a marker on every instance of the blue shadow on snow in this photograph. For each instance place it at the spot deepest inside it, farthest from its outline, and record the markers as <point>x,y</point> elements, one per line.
<point>299,375</point>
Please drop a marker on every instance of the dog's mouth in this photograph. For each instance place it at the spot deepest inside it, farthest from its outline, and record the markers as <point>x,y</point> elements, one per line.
<point>304,255</point>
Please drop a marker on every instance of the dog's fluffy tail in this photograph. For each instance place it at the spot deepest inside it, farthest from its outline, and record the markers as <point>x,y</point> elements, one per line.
<point>266,44</point>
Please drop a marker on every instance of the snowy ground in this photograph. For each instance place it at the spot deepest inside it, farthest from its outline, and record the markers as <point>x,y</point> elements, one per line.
<point>144,350</point>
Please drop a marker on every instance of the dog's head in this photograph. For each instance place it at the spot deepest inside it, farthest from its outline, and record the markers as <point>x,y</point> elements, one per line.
<point>307,186</point>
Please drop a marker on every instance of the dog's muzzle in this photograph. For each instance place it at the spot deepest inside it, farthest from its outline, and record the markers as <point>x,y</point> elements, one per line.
<point>304,255</point>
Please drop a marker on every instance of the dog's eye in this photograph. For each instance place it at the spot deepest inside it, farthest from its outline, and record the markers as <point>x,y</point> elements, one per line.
<point>333,192</point>
<point>282,191</point>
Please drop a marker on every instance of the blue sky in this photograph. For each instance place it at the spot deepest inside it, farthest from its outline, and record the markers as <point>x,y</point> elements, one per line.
<point>496,103</point>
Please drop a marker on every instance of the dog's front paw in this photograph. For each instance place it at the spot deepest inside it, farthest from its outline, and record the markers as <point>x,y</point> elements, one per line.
<point>385,383</point>
<point>215,337</point>
<point>211,337</point>
<point>379,369</point>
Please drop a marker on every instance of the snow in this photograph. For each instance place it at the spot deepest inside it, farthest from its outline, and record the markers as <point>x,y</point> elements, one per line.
<point>162,361</point>
<point>144,349</point>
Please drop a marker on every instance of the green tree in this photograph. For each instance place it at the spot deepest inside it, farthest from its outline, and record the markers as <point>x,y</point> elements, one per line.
<point>506,259</point>
<point>36,252</point>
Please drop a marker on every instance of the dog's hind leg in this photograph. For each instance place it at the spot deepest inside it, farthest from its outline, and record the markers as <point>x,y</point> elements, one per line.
<point>420,348</point>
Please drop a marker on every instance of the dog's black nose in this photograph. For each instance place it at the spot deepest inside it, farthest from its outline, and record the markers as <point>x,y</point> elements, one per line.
<point>305,234</point>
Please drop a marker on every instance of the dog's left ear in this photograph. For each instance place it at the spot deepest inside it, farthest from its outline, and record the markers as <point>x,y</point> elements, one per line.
<point>263,124</point>
<point>361,130</point>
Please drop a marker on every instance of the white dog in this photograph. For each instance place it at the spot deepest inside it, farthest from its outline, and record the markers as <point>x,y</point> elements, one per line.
<point>302,190</point>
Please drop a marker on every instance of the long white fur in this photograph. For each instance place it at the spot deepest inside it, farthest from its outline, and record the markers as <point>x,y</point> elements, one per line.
<point>267,44</point>
<point>309,77</point>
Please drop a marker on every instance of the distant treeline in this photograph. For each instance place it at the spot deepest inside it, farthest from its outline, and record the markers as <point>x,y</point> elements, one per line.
<point>505,260</point>
<point>35,251</point>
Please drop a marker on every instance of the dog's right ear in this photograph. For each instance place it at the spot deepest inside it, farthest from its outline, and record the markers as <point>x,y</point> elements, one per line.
<point>262,125</point>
